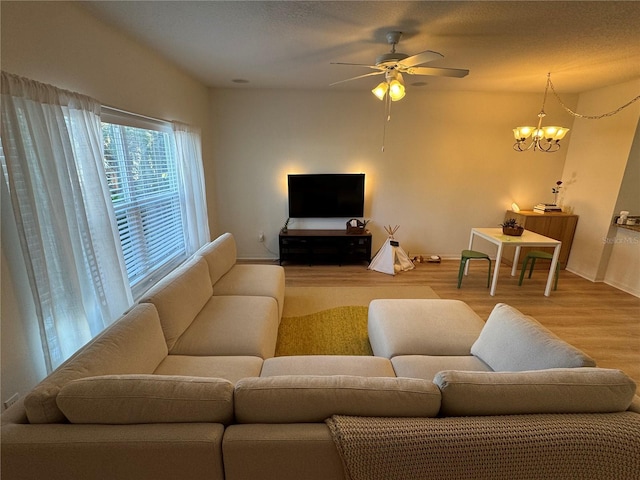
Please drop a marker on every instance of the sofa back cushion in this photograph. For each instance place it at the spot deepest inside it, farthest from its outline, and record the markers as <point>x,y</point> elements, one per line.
<point>561,390</point>
<point>220,255</point>
<point>133,344</point>
<point>309,398</point>
<point>512,341</point>
<point>180,296</point>
<point>136,399</point>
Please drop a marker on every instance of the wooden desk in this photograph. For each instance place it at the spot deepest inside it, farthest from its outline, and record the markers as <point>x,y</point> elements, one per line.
<point>528,239</point>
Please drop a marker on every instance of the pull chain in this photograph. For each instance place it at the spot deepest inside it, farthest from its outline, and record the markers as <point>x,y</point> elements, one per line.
<point>387,113</point>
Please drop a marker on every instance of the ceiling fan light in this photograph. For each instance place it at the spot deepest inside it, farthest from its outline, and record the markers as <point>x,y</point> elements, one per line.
<point>380,90</point>
<point>396,90</point>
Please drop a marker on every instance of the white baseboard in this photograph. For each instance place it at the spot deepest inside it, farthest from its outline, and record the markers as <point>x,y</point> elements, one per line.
<point>624,288</point>
<point>260,258</point>
<point>586,277</point>
<point>619,286</point>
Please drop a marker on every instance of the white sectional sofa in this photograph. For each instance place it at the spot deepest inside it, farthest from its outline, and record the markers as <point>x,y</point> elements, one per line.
<point>185,385</point>
<point>505,399</point>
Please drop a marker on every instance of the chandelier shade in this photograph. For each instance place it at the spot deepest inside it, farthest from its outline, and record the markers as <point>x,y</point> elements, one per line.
<point>556,133</point>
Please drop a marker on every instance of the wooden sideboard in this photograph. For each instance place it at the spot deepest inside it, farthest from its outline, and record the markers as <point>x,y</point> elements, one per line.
<point>560,226</point>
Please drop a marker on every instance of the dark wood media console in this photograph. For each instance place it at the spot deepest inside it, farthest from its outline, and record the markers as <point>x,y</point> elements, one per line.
<point>324,246</point>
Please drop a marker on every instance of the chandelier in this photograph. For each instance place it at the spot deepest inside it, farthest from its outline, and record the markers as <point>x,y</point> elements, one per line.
<point>545,139</point>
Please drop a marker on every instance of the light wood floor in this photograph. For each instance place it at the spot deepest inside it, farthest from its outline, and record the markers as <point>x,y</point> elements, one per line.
<point>601,320</point>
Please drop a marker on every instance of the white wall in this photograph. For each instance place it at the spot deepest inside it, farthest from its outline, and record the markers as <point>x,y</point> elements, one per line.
<point>623,266</point>
<point>448,164</point>
<point>593,174</point>
<point>61,44</point>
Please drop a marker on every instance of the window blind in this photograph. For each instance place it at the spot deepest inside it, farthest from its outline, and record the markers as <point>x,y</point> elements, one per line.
<point>142,175</point>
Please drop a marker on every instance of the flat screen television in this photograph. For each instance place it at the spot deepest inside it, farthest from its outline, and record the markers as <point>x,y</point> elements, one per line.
<point>326,195</point>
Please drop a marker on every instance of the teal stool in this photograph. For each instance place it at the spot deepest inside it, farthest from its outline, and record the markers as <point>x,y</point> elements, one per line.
<point>533,256</point>
<point>472,255</point>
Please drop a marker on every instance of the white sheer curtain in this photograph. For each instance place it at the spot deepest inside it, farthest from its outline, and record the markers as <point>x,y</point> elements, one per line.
<point>194,202</point>
<point>52,144</point>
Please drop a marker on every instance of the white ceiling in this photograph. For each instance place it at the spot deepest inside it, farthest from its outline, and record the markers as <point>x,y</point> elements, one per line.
<point>507,45</point>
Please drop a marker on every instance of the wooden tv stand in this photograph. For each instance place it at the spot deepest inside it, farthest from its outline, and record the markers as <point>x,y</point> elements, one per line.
<point>324,246</point>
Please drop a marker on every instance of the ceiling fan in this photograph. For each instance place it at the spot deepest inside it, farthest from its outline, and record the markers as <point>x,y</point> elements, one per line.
<point>394,64</point>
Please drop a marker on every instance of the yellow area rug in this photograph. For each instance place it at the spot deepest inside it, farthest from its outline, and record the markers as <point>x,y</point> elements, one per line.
<point>336,331</point>
<point>333,320</point>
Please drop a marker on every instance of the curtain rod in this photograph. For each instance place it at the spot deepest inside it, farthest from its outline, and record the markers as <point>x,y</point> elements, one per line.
<point>145,117</point>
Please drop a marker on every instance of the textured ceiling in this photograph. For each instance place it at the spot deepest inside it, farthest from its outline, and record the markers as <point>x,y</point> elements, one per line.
<point>506,45</point>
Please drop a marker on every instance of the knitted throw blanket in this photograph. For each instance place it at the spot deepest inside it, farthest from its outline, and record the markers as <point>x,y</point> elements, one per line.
<point>515,447</point>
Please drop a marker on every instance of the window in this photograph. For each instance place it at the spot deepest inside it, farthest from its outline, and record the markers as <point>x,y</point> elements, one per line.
<point>142,175</point>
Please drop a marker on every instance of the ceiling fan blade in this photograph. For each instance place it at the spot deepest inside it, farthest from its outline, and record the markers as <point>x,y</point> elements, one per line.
<point>353,64</point>
<point>420,58</point>
<point>355,78</point>
<point>438,72</point>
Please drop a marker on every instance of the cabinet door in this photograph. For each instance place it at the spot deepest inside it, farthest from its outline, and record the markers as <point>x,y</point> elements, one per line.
<point>540,224</point>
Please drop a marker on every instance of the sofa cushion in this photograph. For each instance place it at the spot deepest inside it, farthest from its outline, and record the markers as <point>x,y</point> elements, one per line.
<point>511,341</point>
<point>131,399</point>
<point>560,390</point>
<point>310,398</point>
<point>220,255</point>
<point>255,280</point>
<point>426,366</point>
<point>232,325</point>
<point>180,296</point>
<point>115,351</point>
<point>231,368</point>
<point>328,365</point>
<point>422,327</point>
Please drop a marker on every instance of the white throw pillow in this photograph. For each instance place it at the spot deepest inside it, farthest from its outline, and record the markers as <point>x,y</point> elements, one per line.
<point>511,341</point>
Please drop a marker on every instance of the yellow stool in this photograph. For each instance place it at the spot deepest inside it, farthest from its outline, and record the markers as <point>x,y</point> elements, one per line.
<point>472,255</point>
<point>533,256</point>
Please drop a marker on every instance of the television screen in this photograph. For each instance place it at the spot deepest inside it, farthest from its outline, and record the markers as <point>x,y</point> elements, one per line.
<point>326,195</point>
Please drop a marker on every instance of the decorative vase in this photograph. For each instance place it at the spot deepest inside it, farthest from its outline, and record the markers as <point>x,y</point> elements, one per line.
<point>513,231</point>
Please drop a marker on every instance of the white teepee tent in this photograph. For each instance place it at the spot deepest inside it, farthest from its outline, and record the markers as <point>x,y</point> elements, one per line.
<point>391,258</point>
